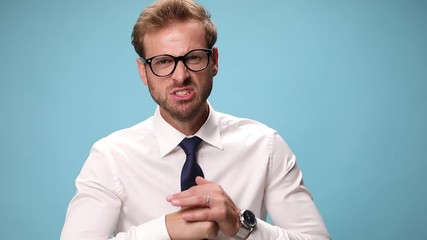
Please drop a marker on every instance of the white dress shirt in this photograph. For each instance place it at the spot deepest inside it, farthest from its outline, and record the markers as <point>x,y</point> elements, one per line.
<point>123,185</point>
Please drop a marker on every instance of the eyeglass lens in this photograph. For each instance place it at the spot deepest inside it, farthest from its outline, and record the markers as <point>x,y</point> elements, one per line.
<point>195,60</point>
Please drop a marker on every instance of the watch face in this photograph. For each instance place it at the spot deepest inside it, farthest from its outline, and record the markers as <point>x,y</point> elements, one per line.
<point>250,218</point>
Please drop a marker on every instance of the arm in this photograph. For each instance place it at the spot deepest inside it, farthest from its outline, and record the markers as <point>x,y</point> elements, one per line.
<point>288,202</point>
<point>94,211</point>
<point>286,199</point>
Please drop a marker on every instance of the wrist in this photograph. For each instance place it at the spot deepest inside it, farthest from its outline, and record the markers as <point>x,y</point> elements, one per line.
<point>247,222</point>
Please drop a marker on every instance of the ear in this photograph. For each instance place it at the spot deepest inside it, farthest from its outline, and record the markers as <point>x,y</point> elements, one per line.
<point>215,61</point>
<point>141,70</point>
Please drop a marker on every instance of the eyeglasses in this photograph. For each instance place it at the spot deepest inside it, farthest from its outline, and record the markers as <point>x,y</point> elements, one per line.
<point>163,65</point>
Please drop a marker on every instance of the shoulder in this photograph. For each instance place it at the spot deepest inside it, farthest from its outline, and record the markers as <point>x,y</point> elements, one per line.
<point>248,133</point>
<point>243,124</point>
<point>249,130</point>
<point>130,135</point>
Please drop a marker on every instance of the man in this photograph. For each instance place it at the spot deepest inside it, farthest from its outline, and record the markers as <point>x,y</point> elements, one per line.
<point>135,183</point>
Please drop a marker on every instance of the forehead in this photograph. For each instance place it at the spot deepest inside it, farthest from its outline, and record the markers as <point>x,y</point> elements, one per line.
<point>175,38</point>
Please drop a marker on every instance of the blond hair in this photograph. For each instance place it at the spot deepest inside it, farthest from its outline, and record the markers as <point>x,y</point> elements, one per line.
<point>163,12</point>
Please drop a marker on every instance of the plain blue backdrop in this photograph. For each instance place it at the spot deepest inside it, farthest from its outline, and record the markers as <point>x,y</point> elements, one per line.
<point>344,82</point>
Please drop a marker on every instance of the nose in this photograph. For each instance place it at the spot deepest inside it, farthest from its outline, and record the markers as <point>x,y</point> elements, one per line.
<point>181,72</point>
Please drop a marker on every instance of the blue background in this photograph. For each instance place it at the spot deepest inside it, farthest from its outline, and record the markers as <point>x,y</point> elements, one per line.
<point>344,82</point>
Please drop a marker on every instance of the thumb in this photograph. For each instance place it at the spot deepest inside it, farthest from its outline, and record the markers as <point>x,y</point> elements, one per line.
<point>201,181</point>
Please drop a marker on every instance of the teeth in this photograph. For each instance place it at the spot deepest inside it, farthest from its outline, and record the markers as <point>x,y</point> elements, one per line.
<point>182,93</point>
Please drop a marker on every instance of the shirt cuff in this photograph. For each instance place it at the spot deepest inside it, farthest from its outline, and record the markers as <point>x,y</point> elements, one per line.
<point>154,229</point>
<point>266,231</point>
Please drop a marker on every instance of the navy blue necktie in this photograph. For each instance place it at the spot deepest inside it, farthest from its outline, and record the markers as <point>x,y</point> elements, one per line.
<point>191,169</point>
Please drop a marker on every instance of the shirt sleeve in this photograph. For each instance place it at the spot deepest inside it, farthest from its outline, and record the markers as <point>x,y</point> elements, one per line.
<point>288,202</point>
<point>94,210</point>
<point>154,229</point>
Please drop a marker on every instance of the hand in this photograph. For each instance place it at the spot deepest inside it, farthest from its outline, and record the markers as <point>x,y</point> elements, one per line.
<point>208,202</point>
<point>180,229</point>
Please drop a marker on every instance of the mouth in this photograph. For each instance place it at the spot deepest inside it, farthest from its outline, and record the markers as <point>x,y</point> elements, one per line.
<point>182,93</point>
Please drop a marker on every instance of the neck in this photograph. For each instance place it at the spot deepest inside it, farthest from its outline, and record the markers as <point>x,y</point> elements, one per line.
<point>191,126</point>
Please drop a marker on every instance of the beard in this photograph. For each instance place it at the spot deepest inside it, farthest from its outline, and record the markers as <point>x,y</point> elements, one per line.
<point>183,110</point>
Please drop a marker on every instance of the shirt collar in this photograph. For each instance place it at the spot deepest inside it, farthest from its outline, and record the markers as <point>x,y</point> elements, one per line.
<point>168,137</point>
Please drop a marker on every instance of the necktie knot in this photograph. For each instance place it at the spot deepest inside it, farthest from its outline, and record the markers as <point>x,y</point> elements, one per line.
<point>189,145</point>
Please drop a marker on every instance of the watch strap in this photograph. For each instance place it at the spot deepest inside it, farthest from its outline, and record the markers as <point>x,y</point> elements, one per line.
<point>243,233</point>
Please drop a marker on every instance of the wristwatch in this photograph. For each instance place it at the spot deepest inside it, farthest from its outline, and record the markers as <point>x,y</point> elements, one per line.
<point>247,224</point>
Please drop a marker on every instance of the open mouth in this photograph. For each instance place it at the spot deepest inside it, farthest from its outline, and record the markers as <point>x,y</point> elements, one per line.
<point>182,93</point>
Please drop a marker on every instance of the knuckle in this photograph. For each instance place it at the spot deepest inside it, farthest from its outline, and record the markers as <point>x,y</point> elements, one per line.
<point>218,188</point>
<point>191,191</point>
<point>209,229</point>
<point>205,215</point>
<point>222,213</point>
<point>212,229</point>
<point>202,200</point>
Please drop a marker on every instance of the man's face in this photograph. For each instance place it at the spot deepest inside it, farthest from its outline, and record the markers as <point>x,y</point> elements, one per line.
<point>182,94</point>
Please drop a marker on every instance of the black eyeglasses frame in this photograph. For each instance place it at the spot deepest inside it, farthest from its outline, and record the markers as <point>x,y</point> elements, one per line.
<point>177,59</point>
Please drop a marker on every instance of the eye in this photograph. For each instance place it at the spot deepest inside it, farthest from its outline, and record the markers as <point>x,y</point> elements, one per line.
<point>162,61</point>
<point>193,58</point>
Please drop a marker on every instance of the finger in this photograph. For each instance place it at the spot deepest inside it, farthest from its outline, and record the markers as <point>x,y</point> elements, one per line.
<point>203,214</point>
<point>199,189</point>
<point>186,194</point>
<point>197,215</point>
<point>193,201</point>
